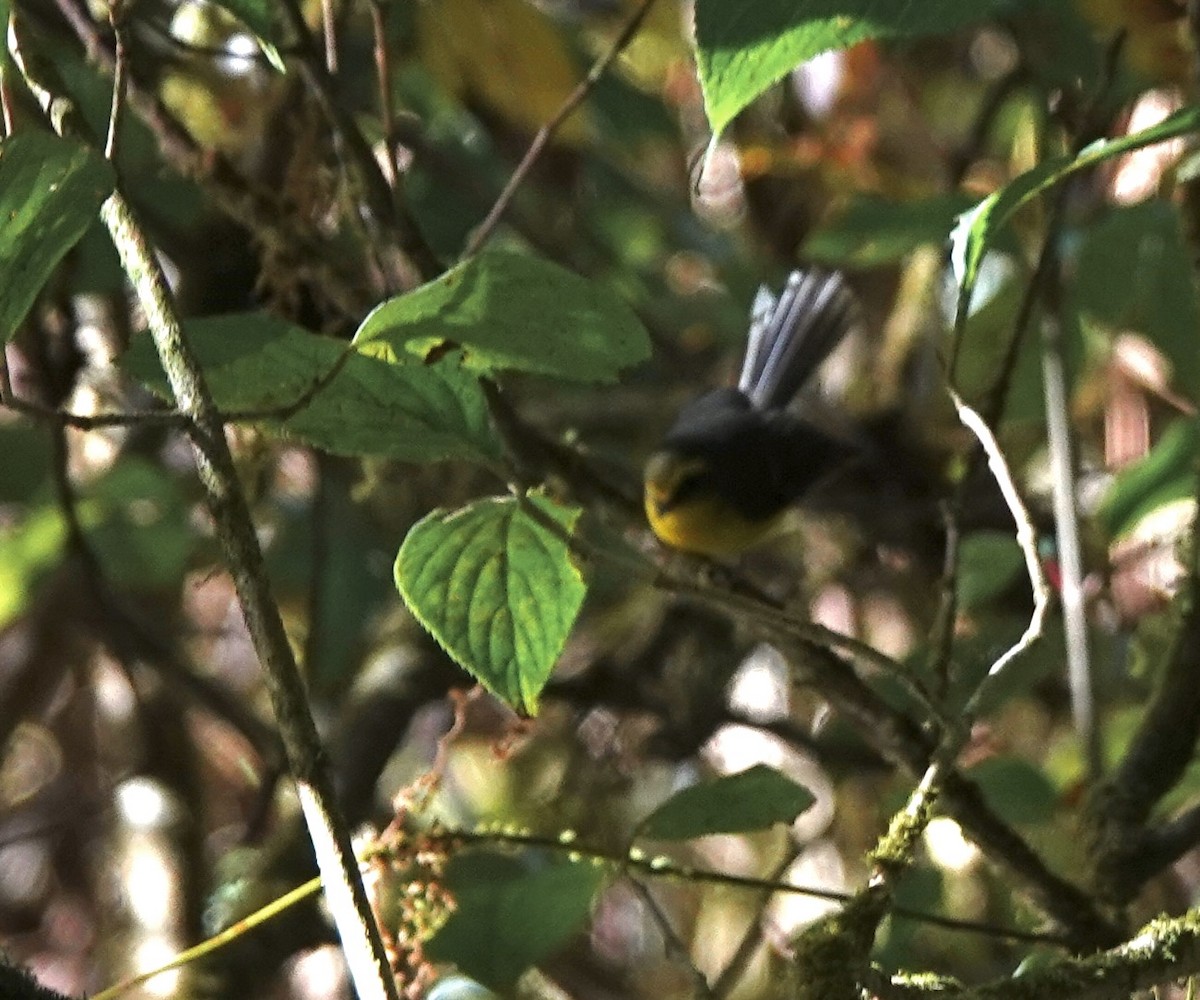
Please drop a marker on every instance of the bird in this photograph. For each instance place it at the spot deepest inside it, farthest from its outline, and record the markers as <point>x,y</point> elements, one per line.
<point>736,459</point>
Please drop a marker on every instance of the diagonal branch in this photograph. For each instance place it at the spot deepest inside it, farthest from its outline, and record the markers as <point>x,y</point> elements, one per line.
<point>235,529</point>
<point>574,99</point>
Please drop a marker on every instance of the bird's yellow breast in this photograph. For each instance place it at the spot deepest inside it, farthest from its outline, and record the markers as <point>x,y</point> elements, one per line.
<point>705,525</point>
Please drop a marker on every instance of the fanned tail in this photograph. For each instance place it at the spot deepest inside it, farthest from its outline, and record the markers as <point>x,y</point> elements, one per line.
<point>791,336</point>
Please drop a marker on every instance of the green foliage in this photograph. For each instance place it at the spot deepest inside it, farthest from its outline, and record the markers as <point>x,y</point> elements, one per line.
<point>497,588</point>
<point>511,913</point>
<point>50,192</point>
<point>750,800</point>
<point>978,228</point>
<point>24,461</point>
<point>1016,789</point>
<point>869,231</point>
<point>408,411</point>
<point>27,550</point>
<point>513,312</point>
<point>132,517</point>
<point>744,46</point>
<point>136,522</point>
<point>988,564</point>
<point>1166,475</point>
<point>1135,273</point>
<point>497,581</point>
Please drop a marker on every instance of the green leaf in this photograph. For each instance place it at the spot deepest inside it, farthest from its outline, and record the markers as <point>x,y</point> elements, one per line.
<point>1018,791</point>
<point>1165,475</point>
<point>25,451</point>
<point>870,231</point>
<point>28,549</point>
<point>744,46</point>
<point>413,412</point>
<point>51,190</point>
<point>510,311</point>
<point>497,588</point>
<point>977,227</point>
<point>136,520</point>
<point>1135,273</point>
<point>751,800</point>
<point>988,563</point>
<point>511,913</point>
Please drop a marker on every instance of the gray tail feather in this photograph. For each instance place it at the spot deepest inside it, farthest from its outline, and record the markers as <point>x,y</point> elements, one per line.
<point>791,336</point>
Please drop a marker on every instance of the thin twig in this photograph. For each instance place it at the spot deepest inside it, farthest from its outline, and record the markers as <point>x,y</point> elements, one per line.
<point>383,73</point>
<point>86,421</point>
<point>661,866</point>
<point>120,76</point>
<point>1026,538</point>
<point>1070,556</point>
<point>676,947</point>
<point>329,30</point>
<point>574,99</point>
<point>6,104</point>
<point>947,613</point>
<point>384,214</point>
<point>902,741</point>
<point>234,525</point>
<point>735,968</point>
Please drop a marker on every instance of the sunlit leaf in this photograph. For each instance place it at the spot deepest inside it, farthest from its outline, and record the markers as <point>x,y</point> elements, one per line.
<point>510,913</point>
<point>255,362</point>
<point>497,588</point>
<point>512,311</point>
<point>754,799</point>
<point>51,190</point>
<point>28,548</point>
<point>744,46</point>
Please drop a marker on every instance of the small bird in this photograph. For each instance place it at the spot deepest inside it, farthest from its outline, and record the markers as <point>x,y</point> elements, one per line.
<point>735,459</point>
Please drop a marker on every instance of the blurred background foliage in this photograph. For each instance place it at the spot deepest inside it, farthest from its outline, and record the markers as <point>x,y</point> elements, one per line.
<point>141,795</point>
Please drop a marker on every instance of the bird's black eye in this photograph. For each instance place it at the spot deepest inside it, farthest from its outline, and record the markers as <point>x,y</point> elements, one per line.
<point>689,487</point>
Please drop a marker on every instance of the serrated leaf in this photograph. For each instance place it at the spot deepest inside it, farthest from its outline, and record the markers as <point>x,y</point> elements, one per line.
<point>977,227</point>
<point>497,588</point>
<point>988,563</point>
<point>754,799</point>
<point>510,913</point>
<point>870,231</point>
<point>510,311</point>
<point>1165,475</point>
<point>412,412</point>
<point>745,46</point>
<point>1135,273</point>
<point>51,190</point>
<point>1016,789</point>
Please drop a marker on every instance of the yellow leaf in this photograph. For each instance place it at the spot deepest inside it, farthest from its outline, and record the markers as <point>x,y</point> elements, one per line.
<point>504,53</point>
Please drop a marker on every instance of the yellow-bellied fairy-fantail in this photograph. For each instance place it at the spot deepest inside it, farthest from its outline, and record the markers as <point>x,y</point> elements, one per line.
<point>735,459</point>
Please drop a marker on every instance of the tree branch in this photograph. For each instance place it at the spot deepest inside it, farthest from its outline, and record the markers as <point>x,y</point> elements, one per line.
<point>235,529</point>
